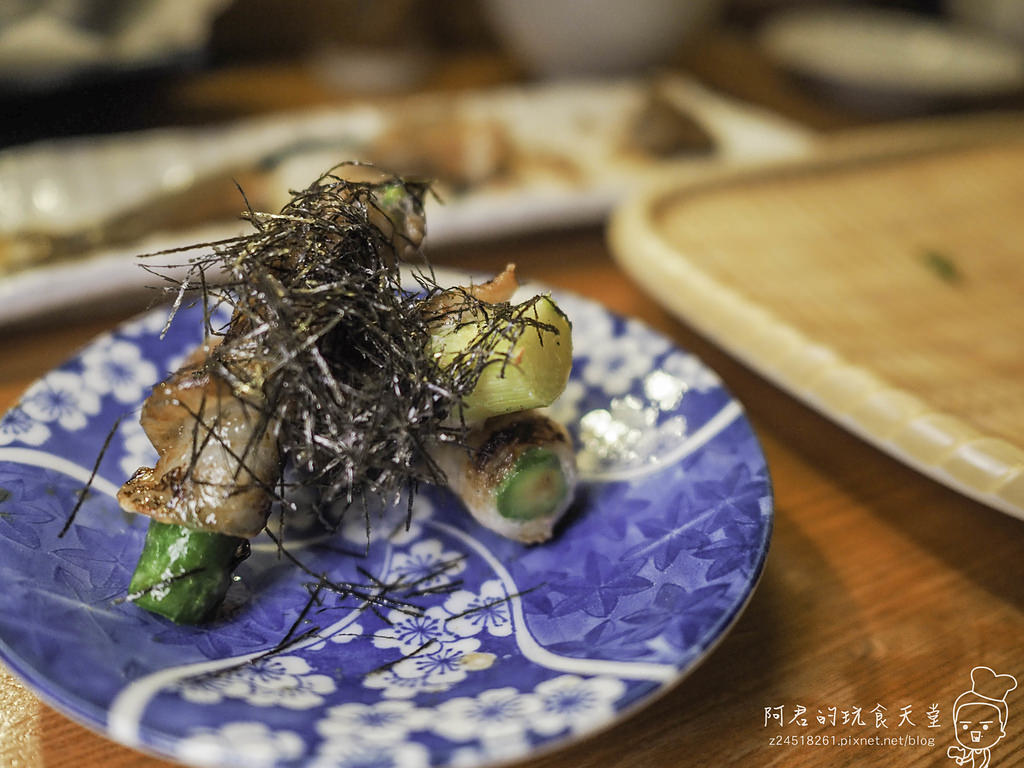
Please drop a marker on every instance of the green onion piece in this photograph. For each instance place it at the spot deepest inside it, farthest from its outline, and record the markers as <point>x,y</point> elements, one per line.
<point>530,374</point>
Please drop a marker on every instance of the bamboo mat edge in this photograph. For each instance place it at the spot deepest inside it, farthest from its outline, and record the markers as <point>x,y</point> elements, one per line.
<point>938,444</point>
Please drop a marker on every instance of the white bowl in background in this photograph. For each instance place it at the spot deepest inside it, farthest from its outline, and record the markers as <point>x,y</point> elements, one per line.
<point>596,37</point>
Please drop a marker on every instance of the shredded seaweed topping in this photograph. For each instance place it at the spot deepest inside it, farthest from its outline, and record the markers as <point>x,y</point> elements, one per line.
<point>329,346</point>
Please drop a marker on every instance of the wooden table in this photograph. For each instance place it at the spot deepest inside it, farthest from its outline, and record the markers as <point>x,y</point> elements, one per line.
<point>881,587</point>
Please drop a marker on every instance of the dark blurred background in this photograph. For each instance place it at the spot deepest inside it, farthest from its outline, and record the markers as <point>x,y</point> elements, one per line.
<point>283,54</point>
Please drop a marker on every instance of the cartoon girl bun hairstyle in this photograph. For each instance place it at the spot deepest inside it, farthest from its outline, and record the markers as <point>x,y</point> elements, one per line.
<point>987,688</point>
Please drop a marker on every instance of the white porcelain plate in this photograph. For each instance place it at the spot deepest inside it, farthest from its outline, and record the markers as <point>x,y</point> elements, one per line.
<point>890,59</point>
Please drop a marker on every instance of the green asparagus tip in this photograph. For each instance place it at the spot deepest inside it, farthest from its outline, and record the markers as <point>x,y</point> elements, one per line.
<point>183,574</point>
<point>535,486</point>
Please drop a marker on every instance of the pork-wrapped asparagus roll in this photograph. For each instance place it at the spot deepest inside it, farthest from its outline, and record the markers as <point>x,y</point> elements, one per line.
<point>516,474</point>
<point>209,492</point>
<point>331,366</point>
<point>218,455</point>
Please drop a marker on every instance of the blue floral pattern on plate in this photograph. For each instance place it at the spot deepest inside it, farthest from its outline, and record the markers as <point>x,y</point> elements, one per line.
<point>511,648</point>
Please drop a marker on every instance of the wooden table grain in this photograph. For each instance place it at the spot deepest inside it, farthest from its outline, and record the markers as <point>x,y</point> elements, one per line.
<point>882,589</point>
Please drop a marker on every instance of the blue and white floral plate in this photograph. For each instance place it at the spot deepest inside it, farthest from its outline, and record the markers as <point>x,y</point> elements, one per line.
<point>516,648</point>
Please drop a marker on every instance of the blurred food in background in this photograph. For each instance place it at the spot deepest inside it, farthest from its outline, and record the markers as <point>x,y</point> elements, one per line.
<point>488,154</point>
<point>524,115</point>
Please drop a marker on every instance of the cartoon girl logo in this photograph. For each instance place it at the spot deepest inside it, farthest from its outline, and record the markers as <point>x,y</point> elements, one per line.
<point>979,717</point>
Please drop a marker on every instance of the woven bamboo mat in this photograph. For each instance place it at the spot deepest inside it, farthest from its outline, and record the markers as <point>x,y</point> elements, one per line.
<point>883,286</point>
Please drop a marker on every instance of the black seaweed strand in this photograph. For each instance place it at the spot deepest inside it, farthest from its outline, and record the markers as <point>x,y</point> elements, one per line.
<point>329,344</point>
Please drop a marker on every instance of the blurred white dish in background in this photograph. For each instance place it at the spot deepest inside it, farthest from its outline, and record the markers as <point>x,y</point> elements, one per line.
<point>563,37</point>
<point>891,61</point>
<point>567,162</point>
